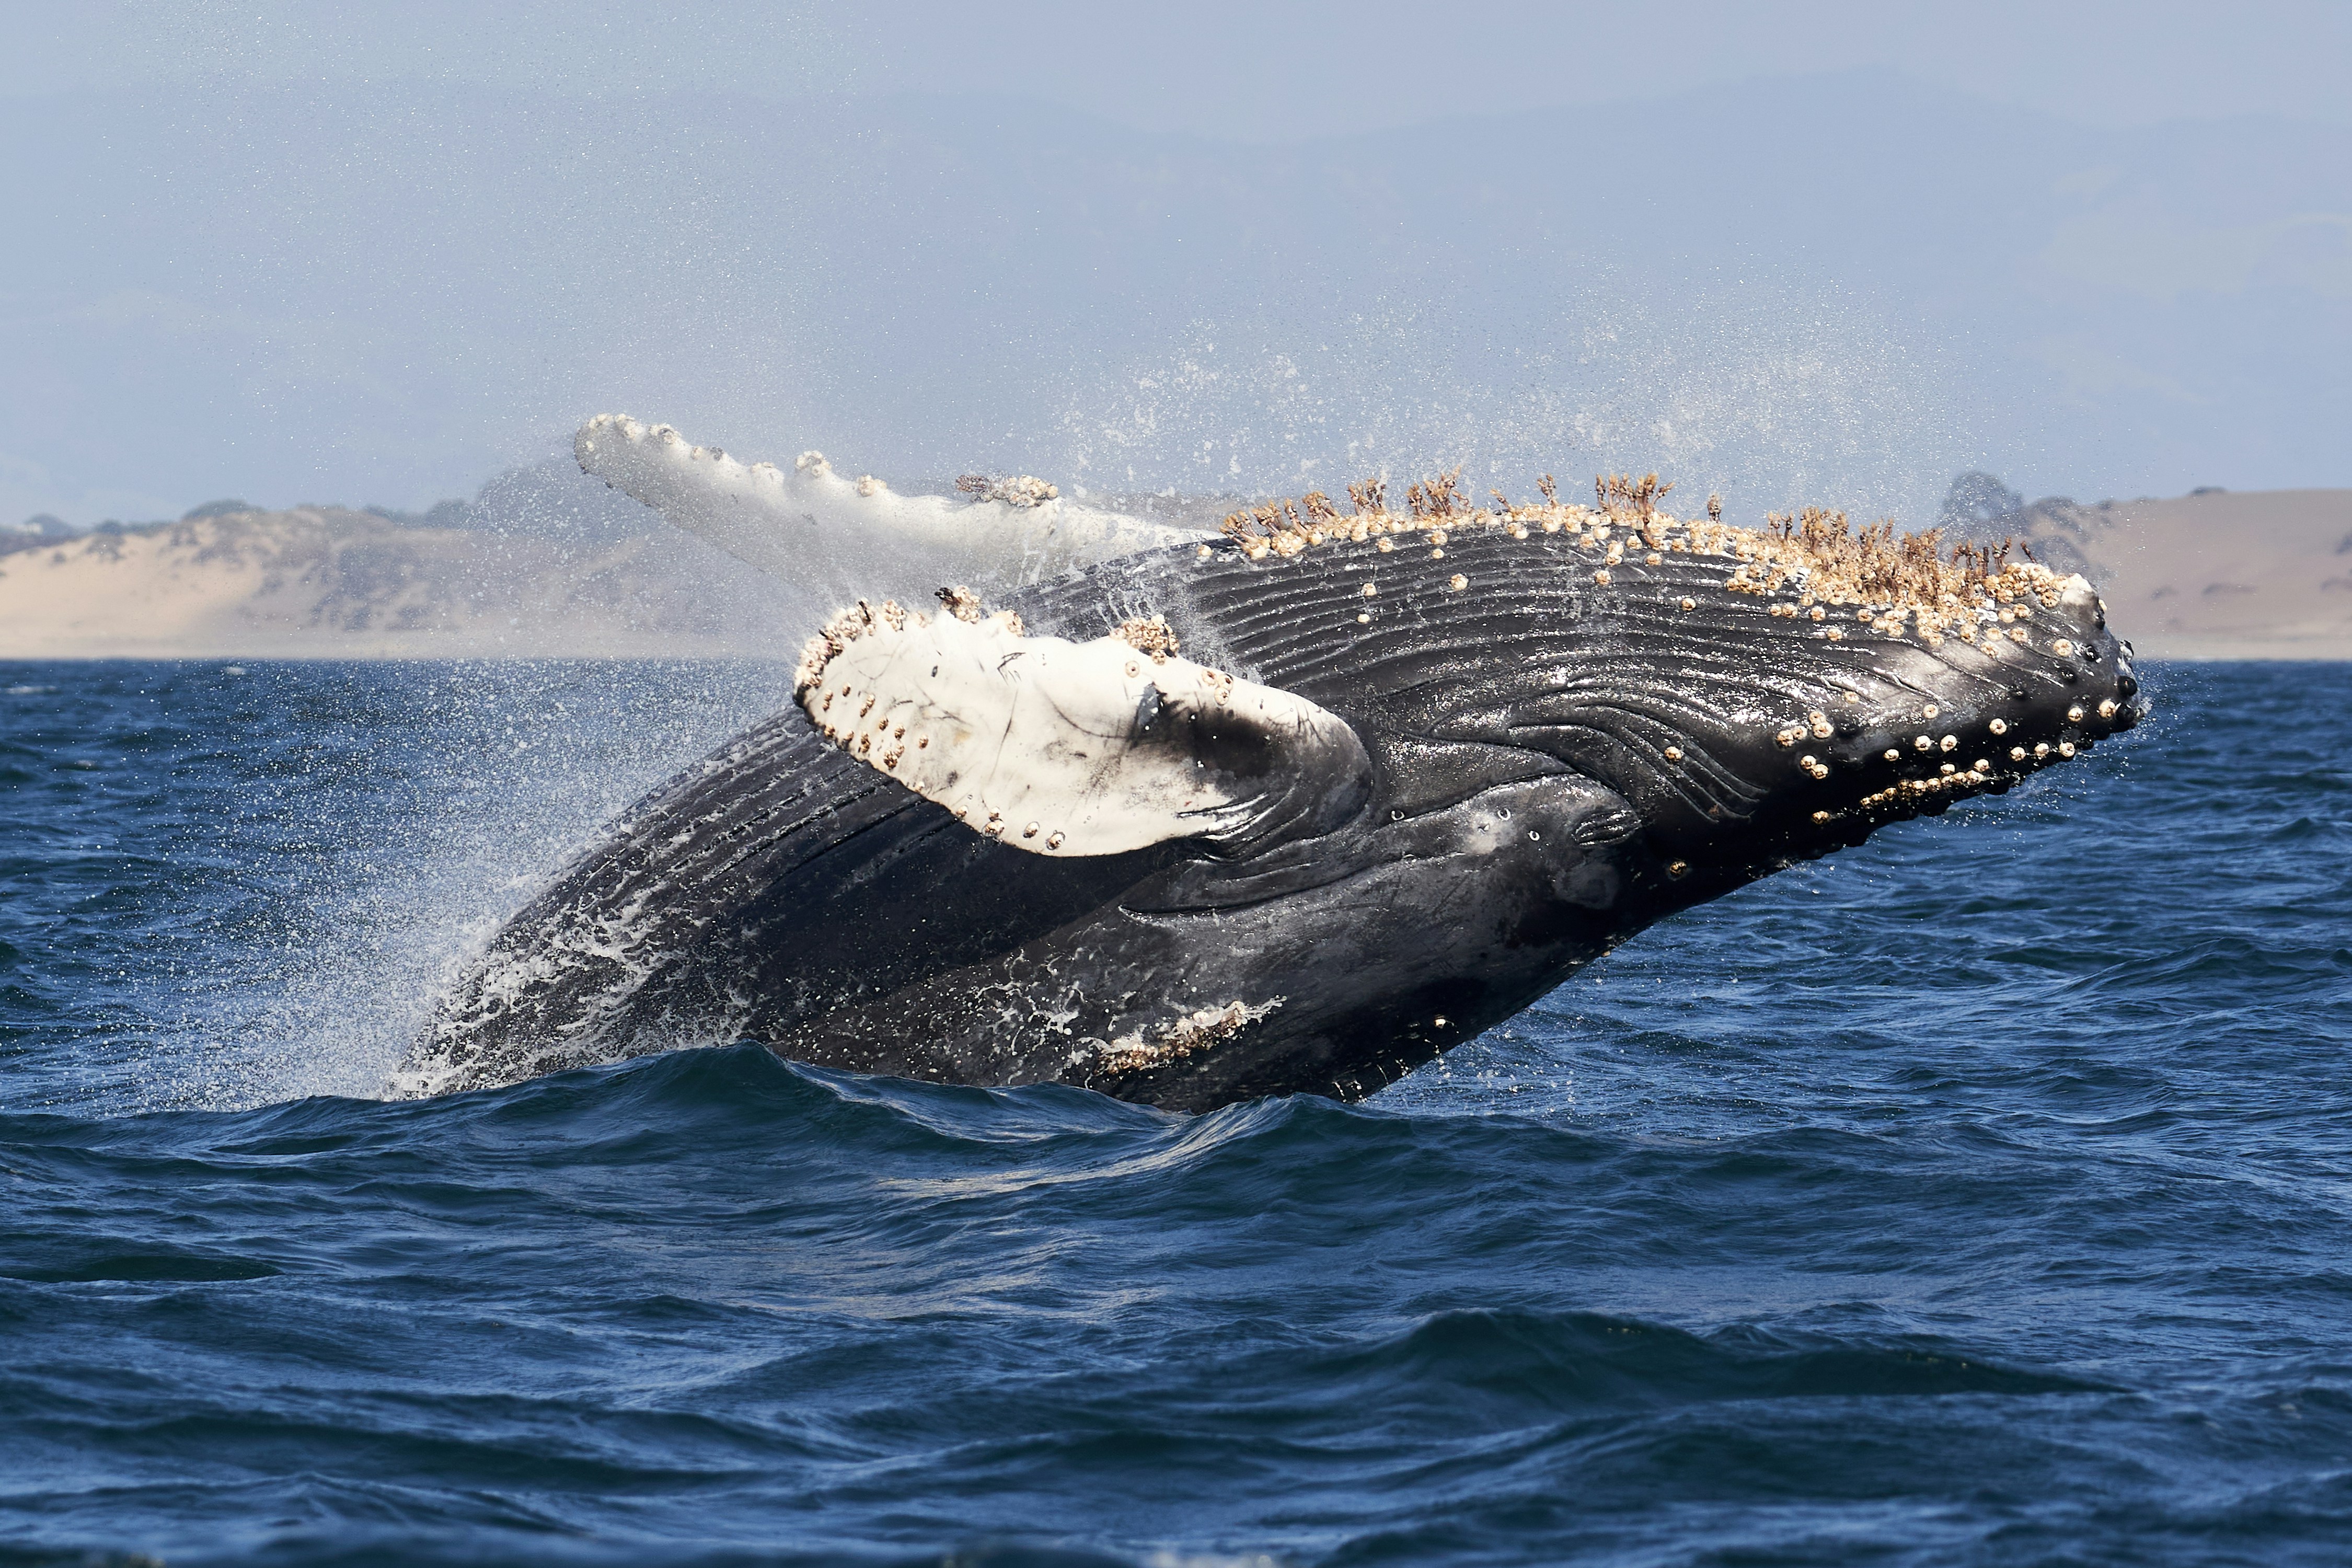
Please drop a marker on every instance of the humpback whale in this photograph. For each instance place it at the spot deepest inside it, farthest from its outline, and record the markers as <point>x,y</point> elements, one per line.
<point>1292,807</point>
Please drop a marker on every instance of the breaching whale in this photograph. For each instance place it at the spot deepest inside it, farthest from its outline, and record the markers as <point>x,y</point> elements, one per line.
<point>1296,807</point>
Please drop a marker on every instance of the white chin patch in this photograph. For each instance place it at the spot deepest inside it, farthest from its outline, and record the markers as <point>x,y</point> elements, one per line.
<point>1064,748</point>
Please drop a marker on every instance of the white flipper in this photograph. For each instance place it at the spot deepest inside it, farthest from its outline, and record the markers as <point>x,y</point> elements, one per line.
<point>1064,748</point>
<point>804,524</point>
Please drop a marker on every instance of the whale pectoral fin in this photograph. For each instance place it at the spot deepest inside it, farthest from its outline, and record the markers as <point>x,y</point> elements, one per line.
<point>1064,748</point>
<point>804,522</point>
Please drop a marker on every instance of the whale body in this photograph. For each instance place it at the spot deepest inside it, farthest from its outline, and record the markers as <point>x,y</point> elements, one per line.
<point>1291,811</point>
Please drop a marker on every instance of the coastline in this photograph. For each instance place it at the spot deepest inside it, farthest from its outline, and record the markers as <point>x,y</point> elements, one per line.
<point>329,582</point>
<point>2216,576</point>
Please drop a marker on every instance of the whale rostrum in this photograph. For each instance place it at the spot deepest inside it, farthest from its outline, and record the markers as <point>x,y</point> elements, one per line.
<point>1294,809</point>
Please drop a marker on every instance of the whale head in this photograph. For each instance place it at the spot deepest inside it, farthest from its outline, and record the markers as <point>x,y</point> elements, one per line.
<point>1755,696</point>
<point>1826,730</point>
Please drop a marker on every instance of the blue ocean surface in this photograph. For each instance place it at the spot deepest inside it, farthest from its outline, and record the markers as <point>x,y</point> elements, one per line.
<point>1982,1194</point>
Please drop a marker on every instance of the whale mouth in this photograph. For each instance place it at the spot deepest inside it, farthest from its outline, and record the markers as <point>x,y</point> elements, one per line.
<point>1881,727</point>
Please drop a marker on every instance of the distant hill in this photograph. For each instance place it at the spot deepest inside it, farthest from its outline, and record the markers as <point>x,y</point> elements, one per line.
<point>2262,574</point>
<point>326,581</point>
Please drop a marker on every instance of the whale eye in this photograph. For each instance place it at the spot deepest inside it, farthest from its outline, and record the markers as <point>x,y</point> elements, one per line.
<point>1396,817</point>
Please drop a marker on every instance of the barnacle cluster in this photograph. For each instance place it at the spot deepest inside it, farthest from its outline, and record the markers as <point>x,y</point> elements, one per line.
<point>1196,1031</point>
<point>1815,558</point>
<point>848,625</point>
<point>1017,490</point>
<point>1150,635</point>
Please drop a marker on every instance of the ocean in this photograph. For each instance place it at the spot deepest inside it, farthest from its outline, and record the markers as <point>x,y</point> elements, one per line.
<point>1981,1195</point>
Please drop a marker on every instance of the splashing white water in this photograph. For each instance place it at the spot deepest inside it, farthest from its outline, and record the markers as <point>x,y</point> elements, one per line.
<point>1776,400</point>
<point>438,797</point>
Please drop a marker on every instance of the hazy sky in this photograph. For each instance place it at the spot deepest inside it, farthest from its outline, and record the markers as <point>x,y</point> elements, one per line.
<point>373,254</point>
<point>1248,69</point>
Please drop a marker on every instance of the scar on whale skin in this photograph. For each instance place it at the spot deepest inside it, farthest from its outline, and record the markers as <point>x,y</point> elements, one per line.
<point>1196,1031</point>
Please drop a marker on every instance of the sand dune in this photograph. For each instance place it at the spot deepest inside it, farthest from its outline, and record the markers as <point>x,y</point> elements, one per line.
<point>326,582</point>
<point>2264,574</point>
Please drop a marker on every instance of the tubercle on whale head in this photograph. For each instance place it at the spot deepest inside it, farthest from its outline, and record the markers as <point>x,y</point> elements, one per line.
<point>1910,706</point>
<point>1839,736</point>
<point>1890,731</point>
